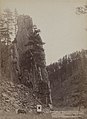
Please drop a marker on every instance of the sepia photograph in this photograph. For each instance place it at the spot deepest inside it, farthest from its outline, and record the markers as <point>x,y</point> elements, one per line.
<point>43,59</point>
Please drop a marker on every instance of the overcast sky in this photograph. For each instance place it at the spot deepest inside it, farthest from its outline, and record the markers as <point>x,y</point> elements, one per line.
<point>62,29</point>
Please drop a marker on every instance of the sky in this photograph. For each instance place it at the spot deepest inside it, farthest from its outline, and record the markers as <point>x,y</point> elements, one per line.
<point>62,29</point>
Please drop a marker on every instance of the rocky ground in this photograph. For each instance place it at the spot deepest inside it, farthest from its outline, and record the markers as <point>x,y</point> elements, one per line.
<point>15,96</point>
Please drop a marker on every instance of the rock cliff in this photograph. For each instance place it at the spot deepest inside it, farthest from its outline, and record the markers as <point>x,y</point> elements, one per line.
<point>29,67</point>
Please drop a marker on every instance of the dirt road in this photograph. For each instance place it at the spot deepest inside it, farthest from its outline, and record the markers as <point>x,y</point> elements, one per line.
<point>25,116</point>
<point>50,115</point>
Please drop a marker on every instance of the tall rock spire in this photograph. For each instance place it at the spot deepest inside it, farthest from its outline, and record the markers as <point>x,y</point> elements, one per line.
<point>32,58</point>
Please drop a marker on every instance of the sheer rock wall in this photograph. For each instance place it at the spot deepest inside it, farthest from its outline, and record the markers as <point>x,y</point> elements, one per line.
<point>31,74</point>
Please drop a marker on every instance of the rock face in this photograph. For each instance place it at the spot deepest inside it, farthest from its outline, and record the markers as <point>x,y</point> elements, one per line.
<point>28,58</point>
<point>25,29</point>
<point>68,79</point>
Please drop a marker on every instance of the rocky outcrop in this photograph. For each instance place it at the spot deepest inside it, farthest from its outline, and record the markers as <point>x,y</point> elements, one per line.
<point>28,59</point>
<point>25,29</point>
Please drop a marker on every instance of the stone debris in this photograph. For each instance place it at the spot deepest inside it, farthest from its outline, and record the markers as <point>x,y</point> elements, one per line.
<point>15,96</point>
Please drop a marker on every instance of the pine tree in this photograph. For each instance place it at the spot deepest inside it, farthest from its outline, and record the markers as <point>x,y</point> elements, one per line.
<point>6,34</point>
<point>81,10</point>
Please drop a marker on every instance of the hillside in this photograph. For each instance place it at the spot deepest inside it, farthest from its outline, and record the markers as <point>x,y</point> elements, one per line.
<point>15,96</point>
<point>68,78</point>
